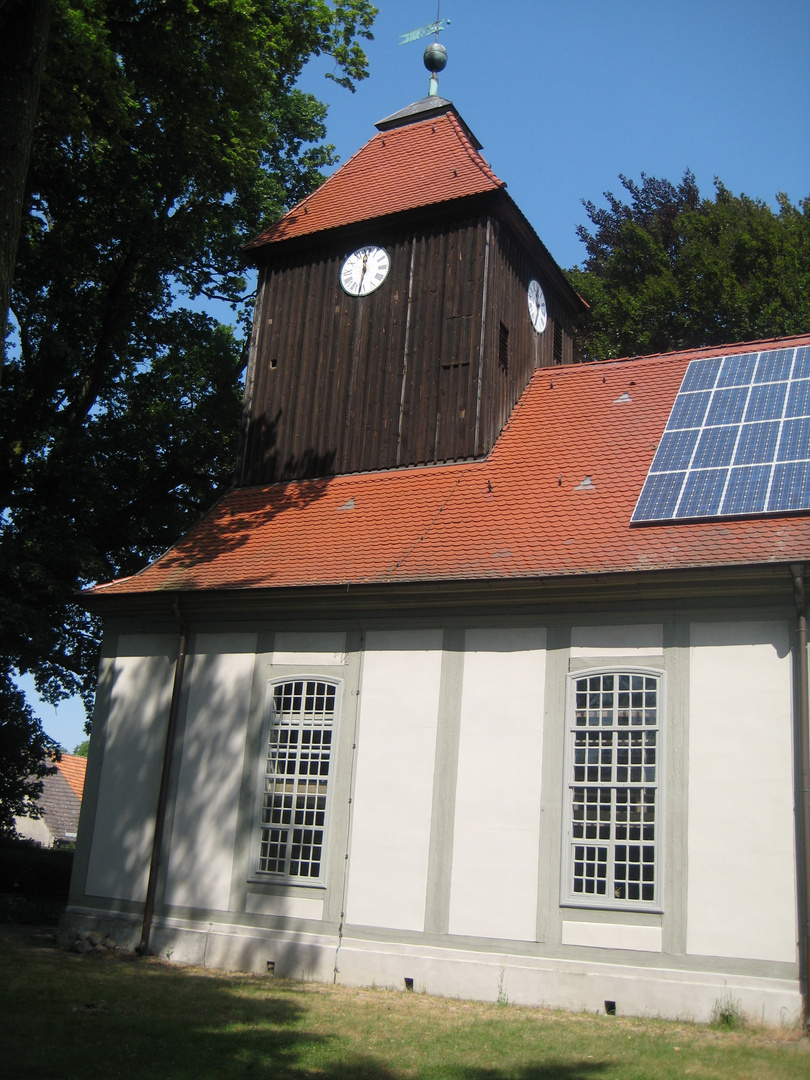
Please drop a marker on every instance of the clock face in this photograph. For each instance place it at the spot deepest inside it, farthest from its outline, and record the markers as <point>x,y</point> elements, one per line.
<point>365,270</point>
<point>537,306</point>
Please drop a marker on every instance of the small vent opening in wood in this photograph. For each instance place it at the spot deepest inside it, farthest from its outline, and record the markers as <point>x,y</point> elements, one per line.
<point>558,344</point>
<point>503,348</point>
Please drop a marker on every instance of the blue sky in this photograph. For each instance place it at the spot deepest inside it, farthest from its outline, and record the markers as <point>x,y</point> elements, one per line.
<point>564,97</point>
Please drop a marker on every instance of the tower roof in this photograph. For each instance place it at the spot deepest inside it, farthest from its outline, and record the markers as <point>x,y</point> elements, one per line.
<point>427,108</point>
<point>422,156</point>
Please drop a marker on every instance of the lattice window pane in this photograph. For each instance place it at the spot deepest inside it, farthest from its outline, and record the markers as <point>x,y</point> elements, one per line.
<point>299,753</point>
<point>613,786</point>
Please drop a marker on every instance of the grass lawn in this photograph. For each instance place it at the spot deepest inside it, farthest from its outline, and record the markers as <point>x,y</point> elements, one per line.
<point>87,1017</point>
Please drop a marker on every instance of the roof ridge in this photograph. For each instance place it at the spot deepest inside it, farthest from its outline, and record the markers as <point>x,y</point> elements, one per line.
<point>788,341</point>
<point>475,155</point>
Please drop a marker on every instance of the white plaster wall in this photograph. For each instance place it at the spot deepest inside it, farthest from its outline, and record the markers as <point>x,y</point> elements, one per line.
<point>498,798</point>
<point>134,741</point>
<point>396,748</point>
<point>613,936</point>
<point>741,874</point>
<point>310,648</point>
<point>639,639</point>
<point>204,825</point>
<point>288,907</point>
<point>565,983</point>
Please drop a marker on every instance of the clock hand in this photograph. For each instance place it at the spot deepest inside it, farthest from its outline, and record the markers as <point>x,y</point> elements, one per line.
<point>362,273</point>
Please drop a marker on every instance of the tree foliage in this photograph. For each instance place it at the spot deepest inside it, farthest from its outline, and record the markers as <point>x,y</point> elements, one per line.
<point>669,269</point>
<point>23,756</point>
<point>169,132</point>
<point>24,27</point>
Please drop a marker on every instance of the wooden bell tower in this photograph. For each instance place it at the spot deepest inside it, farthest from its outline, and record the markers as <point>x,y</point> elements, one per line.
<point>402,308</point>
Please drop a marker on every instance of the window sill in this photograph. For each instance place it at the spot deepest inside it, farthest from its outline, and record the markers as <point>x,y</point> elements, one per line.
<point>612,905</point>
<point>271,884</point>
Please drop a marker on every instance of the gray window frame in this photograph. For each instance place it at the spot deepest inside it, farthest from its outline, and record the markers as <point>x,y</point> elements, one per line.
<point>568,896</point>
<point>272,725</point>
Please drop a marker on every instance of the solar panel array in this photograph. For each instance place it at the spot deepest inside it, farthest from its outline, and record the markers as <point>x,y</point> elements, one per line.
<point>737,442</point>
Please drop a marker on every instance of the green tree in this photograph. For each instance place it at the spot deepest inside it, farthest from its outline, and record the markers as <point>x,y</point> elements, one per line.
<point>668,269</point>
<point>24,26</point>
<point>83,749</point>
<point>23,756</point>
<point>169,131</point>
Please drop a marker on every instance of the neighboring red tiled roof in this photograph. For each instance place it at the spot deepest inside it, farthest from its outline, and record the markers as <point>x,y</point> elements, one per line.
<point>420,164</point>
<point>73,769</point>
<point>521,512</point>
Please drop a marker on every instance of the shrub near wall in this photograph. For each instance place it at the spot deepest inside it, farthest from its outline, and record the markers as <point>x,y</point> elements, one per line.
<point>34,881</point>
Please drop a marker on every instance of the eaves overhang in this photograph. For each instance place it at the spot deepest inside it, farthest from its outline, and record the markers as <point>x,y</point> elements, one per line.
<point>761,585</point>
<point>518,221</point>
<point>497,202</point>
<point>377,227</point>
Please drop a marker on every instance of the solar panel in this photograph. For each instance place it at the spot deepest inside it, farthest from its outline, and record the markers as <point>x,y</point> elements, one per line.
<point>737,442</point>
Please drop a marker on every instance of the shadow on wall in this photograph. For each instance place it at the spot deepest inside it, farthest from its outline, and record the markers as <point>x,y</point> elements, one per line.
<point>200,839</point>
<point>133,746</point>
<point>263,465</point>
<point>207,768</point>
<point>204,824</point>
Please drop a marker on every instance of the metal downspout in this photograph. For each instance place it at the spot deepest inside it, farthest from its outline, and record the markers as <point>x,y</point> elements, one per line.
<point>163,796</point>
<point>797,572</point>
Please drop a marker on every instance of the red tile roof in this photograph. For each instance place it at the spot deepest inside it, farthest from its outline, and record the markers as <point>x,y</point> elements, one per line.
<point>73,769</point>
<point>553,498</point>
<point>405,168</point>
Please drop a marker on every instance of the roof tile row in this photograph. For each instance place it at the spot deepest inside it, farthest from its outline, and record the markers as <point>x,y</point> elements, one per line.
<point>424,163</point>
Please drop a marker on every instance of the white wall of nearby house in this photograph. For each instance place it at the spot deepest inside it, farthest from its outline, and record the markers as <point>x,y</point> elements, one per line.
<point>34,829</point>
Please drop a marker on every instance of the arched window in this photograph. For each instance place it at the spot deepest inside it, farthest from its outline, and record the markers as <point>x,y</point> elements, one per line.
<point>296,778</point>
<point>613,777</point>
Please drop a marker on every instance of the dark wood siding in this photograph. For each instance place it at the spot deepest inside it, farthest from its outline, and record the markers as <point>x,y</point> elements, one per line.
<point>511,267</point>
<point>440,383</point>
<point>343,384</point>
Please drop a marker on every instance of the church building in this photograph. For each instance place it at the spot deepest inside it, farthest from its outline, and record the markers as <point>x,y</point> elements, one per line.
<point>489,674</point>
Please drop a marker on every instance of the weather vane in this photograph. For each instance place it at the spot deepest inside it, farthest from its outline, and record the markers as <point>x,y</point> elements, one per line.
<point>435,55</point>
